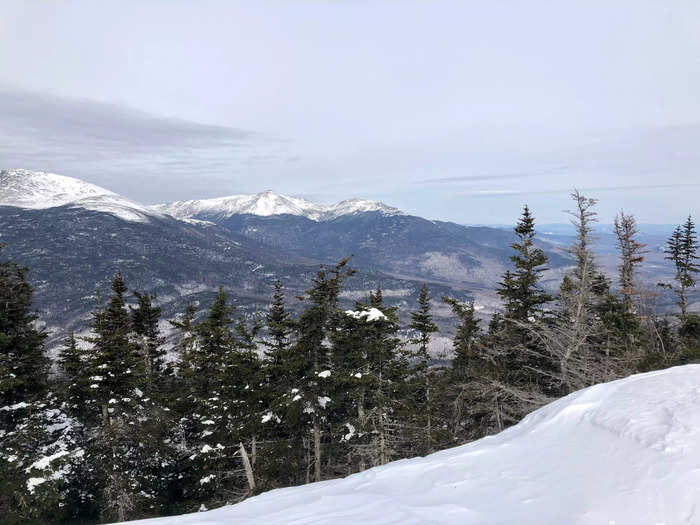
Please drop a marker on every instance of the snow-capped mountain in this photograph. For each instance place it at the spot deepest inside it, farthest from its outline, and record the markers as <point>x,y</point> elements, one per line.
<point>40,190</point>
<point>625,452</point>
<point>269,203</point>
<point>74,235</point>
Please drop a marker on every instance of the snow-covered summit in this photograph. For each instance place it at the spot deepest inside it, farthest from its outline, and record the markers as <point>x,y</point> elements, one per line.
<point>623,453</point>
<point>40,190</point>
<point>270,203</point>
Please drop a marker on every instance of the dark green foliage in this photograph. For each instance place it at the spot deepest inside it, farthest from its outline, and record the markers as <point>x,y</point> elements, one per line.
<point>519,289</point>
<point>423,389</point>
<point>682,250</point>
<point>423,326</point>
<point>144,323</point>
<point>466,336</point>
<point>35,436</point>
<point>23,365</point>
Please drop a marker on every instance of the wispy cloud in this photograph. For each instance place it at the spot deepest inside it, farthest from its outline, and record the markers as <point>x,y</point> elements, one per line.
<point>126,150</point>
<point>500,193</point>
<point>495,176</point>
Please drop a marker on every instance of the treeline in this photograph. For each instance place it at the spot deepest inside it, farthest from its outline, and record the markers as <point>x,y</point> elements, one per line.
<point>242,404</point>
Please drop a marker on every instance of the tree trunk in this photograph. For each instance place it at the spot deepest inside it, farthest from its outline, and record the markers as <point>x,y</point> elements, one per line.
<point>105,416</point>
<point>248,468</point>
<point>254,451</point>
<point>317,449</point>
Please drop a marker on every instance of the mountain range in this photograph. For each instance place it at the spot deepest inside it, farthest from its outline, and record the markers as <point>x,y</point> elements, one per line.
<point>74,236</point>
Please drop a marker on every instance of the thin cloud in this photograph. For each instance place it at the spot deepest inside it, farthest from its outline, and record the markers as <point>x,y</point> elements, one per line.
<point>127,151</point>
<point>501,193</point>
<point>494,176</point>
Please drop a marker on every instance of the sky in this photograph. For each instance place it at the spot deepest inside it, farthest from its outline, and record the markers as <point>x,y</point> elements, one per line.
<point>461,111</point>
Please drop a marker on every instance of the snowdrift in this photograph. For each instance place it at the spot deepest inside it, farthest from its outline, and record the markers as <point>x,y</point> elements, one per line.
<point>625,452</point>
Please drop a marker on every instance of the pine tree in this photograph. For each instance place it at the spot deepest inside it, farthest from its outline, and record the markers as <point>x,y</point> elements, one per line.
<point>73,361</point>
<point>519,289</point>
<point>23,365</point>
<point>682,249</point>
<point>129,449</point>
<point>144,322</point>
<point>280,328</point>
<point>370,373</point>
<point>222,411</point>
<point>114,360</point>
<point>309,402</point>
<point>466,335</point>
<point>423,326</point>
<point>280,376</point>
<point>35,435</point>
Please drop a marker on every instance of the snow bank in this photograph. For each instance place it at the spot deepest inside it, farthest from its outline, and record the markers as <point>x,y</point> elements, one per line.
<point>626,452</point>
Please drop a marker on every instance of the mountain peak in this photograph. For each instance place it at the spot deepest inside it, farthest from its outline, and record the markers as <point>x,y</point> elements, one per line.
<point>40,190</point>
<point>269,203</point>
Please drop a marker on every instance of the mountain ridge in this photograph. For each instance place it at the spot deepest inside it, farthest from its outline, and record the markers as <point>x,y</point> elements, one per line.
<point>38,190</point>
<point>268,203</point>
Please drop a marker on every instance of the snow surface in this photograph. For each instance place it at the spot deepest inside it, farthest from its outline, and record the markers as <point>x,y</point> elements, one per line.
<point>270,203</point>
<point>373,314</point>
<point>625,452</point>
<point>41,190</point>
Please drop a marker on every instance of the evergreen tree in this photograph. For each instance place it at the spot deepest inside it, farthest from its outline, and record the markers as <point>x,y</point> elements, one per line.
<point>519,289</point>
<point>423,326</point>
<point>23,365</point>
<point>280,329</point>
<point>221,415</point>
<point>127,453</point>
<point>312,360</point>
<point>370,373</point>
<point>35,435</point>
<point>682,249</point>
<point>466,335</point>
<point>144,322</point>
<point>280,376</point>
<point>74,364</point>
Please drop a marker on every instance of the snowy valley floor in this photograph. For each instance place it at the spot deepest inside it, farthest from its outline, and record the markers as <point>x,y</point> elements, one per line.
<point>625,452</point>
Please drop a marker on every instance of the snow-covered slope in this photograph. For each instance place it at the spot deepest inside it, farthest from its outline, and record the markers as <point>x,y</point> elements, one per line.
<point>41,190</point>
<point>270,203</point>
<point>622,453</point>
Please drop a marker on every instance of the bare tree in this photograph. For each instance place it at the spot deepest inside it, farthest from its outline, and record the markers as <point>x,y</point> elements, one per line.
<point>631,255</point>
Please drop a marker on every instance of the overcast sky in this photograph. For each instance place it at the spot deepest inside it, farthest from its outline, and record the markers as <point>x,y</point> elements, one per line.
<point>452,110</point>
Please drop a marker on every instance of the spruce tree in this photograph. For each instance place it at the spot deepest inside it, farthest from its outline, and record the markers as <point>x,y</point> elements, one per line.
<point>466,335</point>
<point>280,328</point>
<point>129,449</point>
<point>682,250</point>
<point>23,365</point>
<point>308,402</point>
<point>35,434</point>
<point>520,289</point>
<point>144,322</point>
<point>74,365</point>
<point>370,378</point>
<point>423,326</point>
<point>280,377</point>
